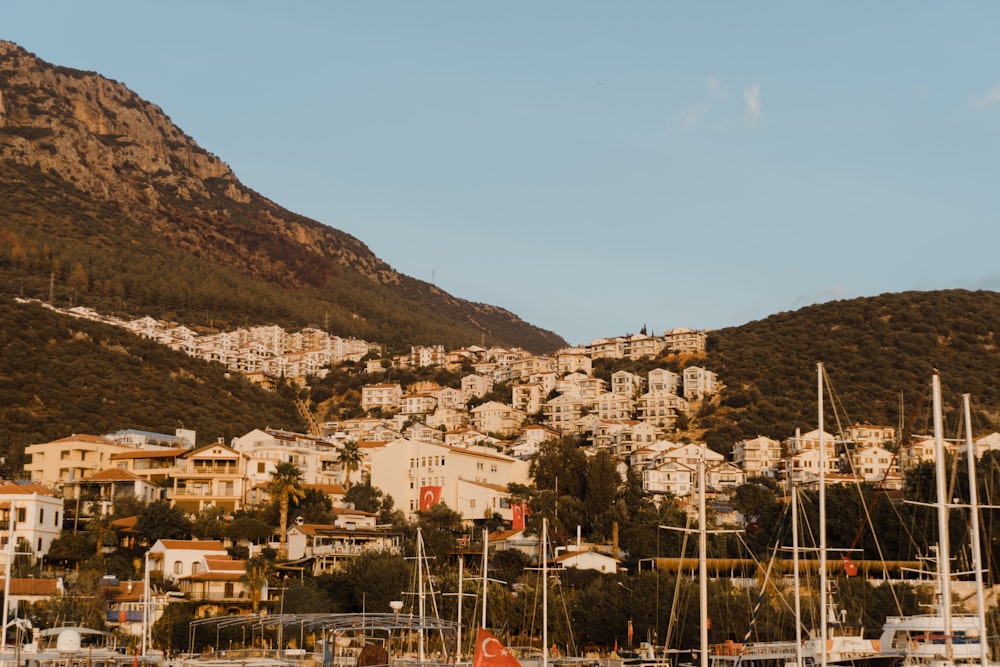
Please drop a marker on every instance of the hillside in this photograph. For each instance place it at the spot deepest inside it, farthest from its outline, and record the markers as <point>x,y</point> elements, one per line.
<point>879,353</point>
<point>61,375</point>
<point>104,202</point>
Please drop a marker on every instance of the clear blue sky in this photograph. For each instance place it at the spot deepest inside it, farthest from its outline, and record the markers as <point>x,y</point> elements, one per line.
<point>592,166</point>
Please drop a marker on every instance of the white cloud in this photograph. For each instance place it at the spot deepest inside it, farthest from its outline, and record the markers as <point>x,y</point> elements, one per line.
<point>991,98</point>
<point>693,117</point>
<point>751,99</point>
<point>715,88</point>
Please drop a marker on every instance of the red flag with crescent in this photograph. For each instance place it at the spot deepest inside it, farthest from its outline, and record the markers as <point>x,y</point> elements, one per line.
<point>491,653</point>
<point>517,522</point>
<point>850,567</point>
<point>429,497</point>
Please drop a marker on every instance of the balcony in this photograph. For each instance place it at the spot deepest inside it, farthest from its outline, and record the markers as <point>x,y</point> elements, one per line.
<point>229,470</point>
<point>352,549</point>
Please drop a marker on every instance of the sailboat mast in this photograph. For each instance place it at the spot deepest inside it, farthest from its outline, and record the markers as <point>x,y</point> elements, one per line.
<point>977,554</point>
<point>703,558</point>
<point>461,594</point>
<point>486,553</point>
<point>545,592</point>
<point>822,518</point>
<point>795,575</point>
<point>944,549</point>
<point>421,611</point>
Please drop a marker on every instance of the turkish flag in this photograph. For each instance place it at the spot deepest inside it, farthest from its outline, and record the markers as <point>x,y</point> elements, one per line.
<point>429,497</point>
<point>491,653</point>
<point>517,522</point>
<point>850,567</point>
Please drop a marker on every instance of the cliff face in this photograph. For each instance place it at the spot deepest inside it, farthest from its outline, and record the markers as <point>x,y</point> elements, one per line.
<point>102,141</point>
<point>99,136</point>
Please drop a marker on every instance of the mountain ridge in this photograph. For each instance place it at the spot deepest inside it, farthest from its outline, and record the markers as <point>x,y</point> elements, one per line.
<point>82,141</point>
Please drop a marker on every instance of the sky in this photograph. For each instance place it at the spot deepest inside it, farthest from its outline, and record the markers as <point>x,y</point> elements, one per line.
<point>594,167</point>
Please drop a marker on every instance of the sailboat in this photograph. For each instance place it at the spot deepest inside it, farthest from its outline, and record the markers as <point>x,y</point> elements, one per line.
<point>943,638</point>
<point>835,643</point>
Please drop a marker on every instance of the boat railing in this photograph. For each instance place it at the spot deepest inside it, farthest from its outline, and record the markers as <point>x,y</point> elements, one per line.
<point>753,650</point>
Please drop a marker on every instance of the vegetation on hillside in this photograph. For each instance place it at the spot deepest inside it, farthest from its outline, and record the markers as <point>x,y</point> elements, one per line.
<point>58,240</point>
<point>60,376</point>
<point>879,353</point>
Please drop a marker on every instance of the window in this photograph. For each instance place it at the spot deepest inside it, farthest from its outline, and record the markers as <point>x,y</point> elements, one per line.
<point>41,515</point>
<point>21,515</point>
<point>195,568</point>
<point>178,567</point>
<point>57,518</point>
<point>261,466</point>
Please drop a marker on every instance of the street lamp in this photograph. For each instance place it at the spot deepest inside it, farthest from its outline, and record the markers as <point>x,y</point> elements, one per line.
<point>630,608</point>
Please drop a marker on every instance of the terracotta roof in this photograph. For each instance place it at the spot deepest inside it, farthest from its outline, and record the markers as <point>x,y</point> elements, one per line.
<point>24,489</point>
<point>372,444</point>
<point>220,564</point>
<point>126,523</point>
<point>121,592</point>
<point>31,586</point>
<point>214,576</point>
<point>112,475</point>
<point>501,535</point>
<point>97,439</point>
<point>199,545</point>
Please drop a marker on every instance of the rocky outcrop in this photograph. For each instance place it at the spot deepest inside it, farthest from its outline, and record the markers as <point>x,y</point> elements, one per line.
<point>103,140</point>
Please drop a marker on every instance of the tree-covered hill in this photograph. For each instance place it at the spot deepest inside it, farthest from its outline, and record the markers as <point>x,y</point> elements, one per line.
<point>104,202</point>
<point>879,353</point>
<point>61,375</point>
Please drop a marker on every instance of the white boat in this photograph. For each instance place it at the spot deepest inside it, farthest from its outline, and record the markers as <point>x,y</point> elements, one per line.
<point>65,647</point>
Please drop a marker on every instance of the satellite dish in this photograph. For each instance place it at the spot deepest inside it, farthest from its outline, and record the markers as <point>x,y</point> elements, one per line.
<point>68,641</point>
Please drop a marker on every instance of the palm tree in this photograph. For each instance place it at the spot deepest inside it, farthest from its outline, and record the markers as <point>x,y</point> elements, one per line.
<point>351,458</point>
<point>285,486</point>
<point>255,578</point>
<point>102,529</point>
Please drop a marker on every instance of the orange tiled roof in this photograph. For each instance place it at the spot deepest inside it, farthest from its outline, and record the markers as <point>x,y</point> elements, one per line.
<point>200,545</point>
<point>25,489</point>
<point>112,475</point>
<point>31,586</point>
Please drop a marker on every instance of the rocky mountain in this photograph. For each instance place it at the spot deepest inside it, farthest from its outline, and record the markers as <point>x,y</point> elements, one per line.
<point>106,202</point>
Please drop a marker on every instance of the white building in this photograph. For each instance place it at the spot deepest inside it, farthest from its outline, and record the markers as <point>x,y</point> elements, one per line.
<point>33,514</point>
<point>402,467</point>
<point>699,383</point>
<point>316,457</point>
<point>758,457</point>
